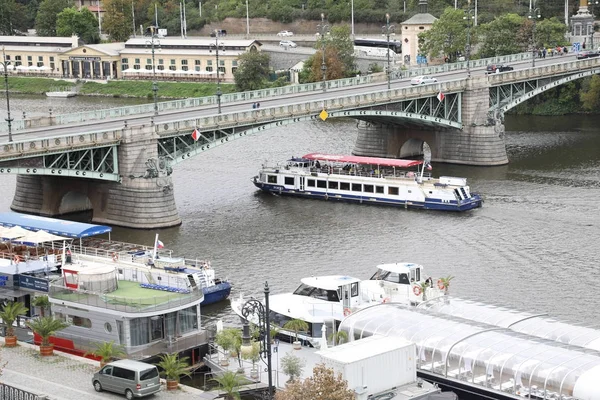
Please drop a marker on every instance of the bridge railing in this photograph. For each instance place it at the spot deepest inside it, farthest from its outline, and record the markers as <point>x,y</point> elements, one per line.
<point>303,109</point>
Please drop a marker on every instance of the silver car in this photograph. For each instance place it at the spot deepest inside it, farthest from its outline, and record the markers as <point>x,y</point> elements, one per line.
<point>128,377</point>
<point>287,43</point>
<point>423,80</point>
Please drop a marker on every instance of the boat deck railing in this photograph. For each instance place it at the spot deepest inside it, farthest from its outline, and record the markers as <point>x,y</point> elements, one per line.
<point>386,173</point>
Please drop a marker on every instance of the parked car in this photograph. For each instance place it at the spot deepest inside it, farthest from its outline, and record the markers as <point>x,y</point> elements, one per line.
<point>587,54</point>
<point>128,377</point>
<point>218,32</point>
<point>285,33</point>
<point>497,68</point>
<point>423,80</point>
<point>287,43</point>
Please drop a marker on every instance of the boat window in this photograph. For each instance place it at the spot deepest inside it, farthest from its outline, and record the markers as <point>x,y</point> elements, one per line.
<point>410,191</point>
<point>303,290</point>
<point>356,187</point>
<point>368,188</point>
<point>271,178</point>
<point>393,277</point>
<point>354,289</point>
<point>82,322</point>
<point>321,184</point>
<point>379,189</point>
<point>393,190</point>
<point>344,186</point>
<point>289,180</point>
<point>380,274</point>
<point>310,182</point>
<point>333,185</point>
<point>404,279</point>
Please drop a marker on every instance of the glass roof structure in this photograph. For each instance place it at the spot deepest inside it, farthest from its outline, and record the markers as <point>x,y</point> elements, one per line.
<point>491,356</point>
<point>539,325</point>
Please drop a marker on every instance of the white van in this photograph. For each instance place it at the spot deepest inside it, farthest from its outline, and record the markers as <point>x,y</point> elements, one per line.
<point>128,377</point>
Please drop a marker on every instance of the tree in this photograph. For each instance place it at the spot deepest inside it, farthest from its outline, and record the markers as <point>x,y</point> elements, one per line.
<point>447,36</point>
<point>45,22</point>
<point>7,11</point>
<point>43,303</point>
<point>81,23</point>
<point>173,368</point>
<point>107,351</point>
<point>117,21</point>
<point>253,71</point>
<point>296,325</point>
<point>341,41</point>
<point>323,385</point>
<point>551,32</point>
<point>292,365</point>
<point>10,312</point>
<point>590,98</point>
<point>230,383</point>
<point>506,34</point>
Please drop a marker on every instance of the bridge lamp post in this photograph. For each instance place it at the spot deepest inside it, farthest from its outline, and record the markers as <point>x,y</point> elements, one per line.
<point>216,46</point>
<point>534,15</point>
<point>388,30</point>
<point>251,308</point>
<point>154,42</point>
<point>9,120</point>
<point>323,30</point>
<point>469,18</point>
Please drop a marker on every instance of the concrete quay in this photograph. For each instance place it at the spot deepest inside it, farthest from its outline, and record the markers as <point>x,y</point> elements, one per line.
<point>67,377</point>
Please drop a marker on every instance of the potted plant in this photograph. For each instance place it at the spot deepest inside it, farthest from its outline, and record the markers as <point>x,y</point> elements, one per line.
<point>274,331</point>
<point>226,340</point>
<point>292,365</point>
<point>444,284</point>
<point>339,337</point>
<point>46,327</point>
<point>10,312</point>
<point>253,355</point>
<point>107,351</point>
<point>230,382</point>
<point>424,287</point>
<point>173,368</point>
<point>43,303</point>
<point>296,325</point>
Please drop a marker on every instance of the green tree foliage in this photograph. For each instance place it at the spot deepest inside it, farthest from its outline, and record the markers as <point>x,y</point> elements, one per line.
<point>550,32</point>
<point>506,34</point>
<point>339,57</point>
<point>81,23</point>
<point>13,16</point>
<point>117,21</point>
<point>253,71</point>
<point>230,383</point>
<point>45,21</point>
<point>590,98</point>
<point>447,36</point>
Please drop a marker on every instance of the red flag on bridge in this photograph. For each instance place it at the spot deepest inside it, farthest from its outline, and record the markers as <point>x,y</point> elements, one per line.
<point>441,97</point>
<point>196,135</point>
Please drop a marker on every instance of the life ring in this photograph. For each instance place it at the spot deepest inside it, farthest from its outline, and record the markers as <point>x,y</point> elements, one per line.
<point>17,259</point>
<point>347,312</point>
<point>115,257</point>
<point>441,285</point>
<point>386,300</point>
<point>417,290</point>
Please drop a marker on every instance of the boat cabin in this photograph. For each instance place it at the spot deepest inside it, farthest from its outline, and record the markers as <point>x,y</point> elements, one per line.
<point>337,289</point>
<point>399,273</point>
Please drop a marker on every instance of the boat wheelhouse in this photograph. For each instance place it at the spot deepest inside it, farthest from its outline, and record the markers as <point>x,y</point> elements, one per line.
<point>146,311</point>
<point>371,180</point>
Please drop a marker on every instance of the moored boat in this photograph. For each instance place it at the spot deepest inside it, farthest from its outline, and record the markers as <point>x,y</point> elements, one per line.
<point>371,180</point>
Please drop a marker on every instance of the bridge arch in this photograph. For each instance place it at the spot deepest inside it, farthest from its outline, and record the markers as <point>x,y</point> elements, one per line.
<point>74,201</point>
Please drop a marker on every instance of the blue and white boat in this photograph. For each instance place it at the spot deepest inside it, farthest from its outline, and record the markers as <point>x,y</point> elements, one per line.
<point>371,180</point>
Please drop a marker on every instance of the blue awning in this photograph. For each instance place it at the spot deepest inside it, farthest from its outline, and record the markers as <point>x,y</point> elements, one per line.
<point>56,226</point>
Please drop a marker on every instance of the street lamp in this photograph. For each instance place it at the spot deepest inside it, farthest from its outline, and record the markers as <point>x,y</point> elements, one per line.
<point>216,47</point>
<point>254,307</point>
<point>388,30</point>
<point>9,120</point>
<point>469,18</point>
<point>154,42</point>
<point>534,14</point>
<point>247,21</point>
<point>323,29</point>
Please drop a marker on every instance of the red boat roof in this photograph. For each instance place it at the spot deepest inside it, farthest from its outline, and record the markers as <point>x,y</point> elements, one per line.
<point>386,162</point>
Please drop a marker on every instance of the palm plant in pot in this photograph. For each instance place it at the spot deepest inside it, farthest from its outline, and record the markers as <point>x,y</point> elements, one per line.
<point>46,327</point>
<point>173,368</point>
<point>338,337</point>
<point>226,339</point>
<point>253,355</point>
<point>43,303</point>
<point>230,383</point>
<point>107,351</point>
<point>10,312</point>
<point>296,325</point>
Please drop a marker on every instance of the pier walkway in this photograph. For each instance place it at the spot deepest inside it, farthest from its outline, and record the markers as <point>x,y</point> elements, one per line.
<point>66,377</point>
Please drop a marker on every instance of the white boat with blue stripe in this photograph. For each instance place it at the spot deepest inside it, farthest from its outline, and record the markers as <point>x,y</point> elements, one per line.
<point>372,180</point>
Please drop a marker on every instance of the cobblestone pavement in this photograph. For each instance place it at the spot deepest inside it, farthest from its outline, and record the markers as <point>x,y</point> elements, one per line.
<point>66,377</point>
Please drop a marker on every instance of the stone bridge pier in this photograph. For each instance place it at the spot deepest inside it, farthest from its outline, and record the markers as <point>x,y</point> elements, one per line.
<point>144,199</point>
<point>480,142</point>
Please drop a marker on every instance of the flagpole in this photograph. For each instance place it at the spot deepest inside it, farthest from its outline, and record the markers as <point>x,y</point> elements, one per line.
<point>155,246</point>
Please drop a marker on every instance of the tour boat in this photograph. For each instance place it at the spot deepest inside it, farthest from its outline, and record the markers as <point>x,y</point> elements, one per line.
<point>370,180</point>
<point>327,300</point>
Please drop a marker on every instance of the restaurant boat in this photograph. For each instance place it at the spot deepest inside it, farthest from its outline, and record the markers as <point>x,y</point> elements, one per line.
<point>372,180</point>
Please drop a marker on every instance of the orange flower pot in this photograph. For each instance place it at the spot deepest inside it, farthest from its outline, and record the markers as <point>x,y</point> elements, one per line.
<point>10,341</point>
<point>46,351</point>
<point>172,384</point>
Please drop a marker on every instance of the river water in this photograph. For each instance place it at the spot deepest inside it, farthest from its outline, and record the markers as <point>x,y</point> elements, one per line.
<point>533,245</point>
